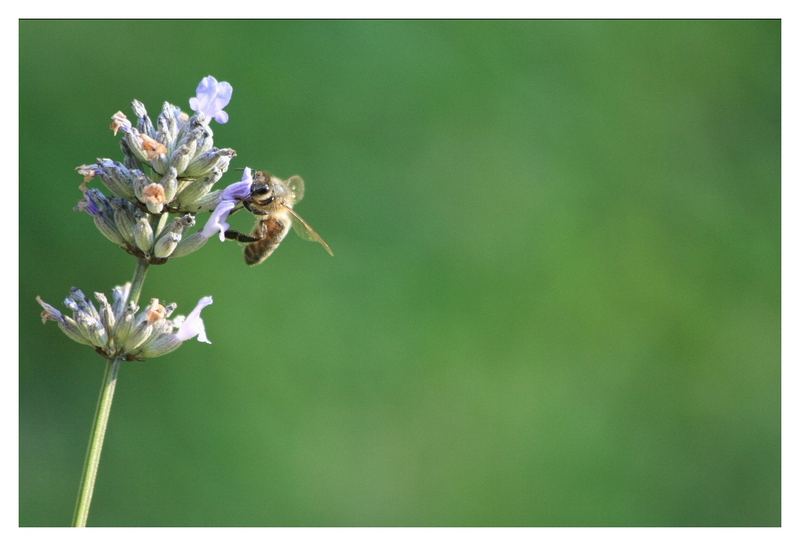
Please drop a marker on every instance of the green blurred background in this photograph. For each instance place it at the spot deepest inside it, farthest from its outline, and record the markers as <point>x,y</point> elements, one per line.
<point>555,298</point>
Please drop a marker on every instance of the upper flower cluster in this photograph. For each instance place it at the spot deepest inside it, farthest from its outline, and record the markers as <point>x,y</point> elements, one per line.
<point>171,165</point>
<point>118,329</point>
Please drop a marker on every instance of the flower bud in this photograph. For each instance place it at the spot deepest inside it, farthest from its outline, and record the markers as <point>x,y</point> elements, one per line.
<point>189,244</point>
<point>161,345</point>
<point>170,308</point>
<point>125,222</point>
<point>167,123</point>
<point>130,159</point>
<point>206,140</point>
<point>116,177</point>
<point>65,323</point>
<point>109,231</point>
<point>106,313</point>
<point>138,335</point>
<point>145,125</point>
<point>143,235</point>
<point>209,201</point>
<point>140,180</point>
<point>166,245</point>
<point>196,189</point>
<point>204,163</point>
<point>161,327</point>
<point>192,133</point>
<point>119,295</point>
<point>49,312</point>
<point>124,326</point>
<point>78,297</point>
<point>96,205</point>
<point>182,156</point>
<point>136,145</point>
<point>170,184</point>
<point>179,224</point>
<point>91,329</point>
<point>71,330</point>
<point>100,335</point>
<point>83,304</point>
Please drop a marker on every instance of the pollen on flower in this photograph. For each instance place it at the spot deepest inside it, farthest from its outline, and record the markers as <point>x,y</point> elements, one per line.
<point>155,312</point>
<point>154,193</point>
<point>152,147</point>
<point>120,121</point>
<point>87,171</point>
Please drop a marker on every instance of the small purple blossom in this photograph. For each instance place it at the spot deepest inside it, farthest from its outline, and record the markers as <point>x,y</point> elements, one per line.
<point>93,202</point>
<point>91,208</point>
<point>218,221</point>
<point>193,325</point>
<point>49,312</point>
<point>212,97</point>
<point>239,190</point>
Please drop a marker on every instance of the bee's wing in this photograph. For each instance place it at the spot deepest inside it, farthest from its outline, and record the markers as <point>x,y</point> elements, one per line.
<point>297,186</point>
<point>305,231</point>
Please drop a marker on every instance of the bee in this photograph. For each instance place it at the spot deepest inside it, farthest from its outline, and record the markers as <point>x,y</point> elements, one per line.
<point>272,200</point>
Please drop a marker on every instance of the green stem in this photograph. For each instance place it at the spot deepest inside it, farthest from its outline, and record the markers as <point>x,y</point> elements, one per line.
<point>101,415</point>
<point>96,438</point>
<point>138,280</point>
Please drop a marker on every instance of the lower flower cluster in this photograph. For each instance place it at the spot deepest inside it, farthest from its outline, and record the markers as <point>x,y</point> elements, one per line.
<point>119,329</point>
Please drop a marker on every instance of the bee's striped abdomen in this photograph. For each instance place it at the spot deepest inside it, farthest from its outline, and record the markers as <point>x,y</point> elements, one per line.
<point>271,231</point>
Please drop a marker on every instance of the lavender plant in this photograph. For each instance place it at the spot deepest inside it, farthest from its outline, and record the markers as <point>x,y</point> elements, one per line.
<point>166,178</point>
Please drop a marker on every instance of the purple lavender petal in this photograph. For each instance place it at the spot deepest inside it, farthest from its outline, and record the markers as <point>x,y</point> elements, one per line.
<point>212,97</point>
<point>217,222</point>
<point>241,189</point>
<point>193,325</point>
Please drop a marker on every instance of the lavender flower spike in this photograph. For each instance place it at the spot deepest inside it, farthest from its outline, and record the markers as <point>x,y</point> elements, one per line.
<point>218,221</point>
<point>193,325</point>
<point>212,97</point>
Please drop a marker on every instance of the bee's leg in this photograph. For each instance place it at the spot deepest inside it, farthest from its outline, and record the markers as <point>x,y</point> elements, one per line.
<point>253,210</point>
<point>236,209</point>
<point>239,236</point>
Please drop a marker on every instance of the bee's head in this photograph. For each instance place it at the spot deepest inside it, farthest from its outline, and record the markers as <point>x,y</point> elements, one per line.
<point>261,193</point>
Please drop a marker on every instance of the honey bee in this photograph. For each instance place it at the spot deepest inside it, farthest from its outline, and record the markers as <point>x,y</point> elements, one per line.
<point>272,200</point>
